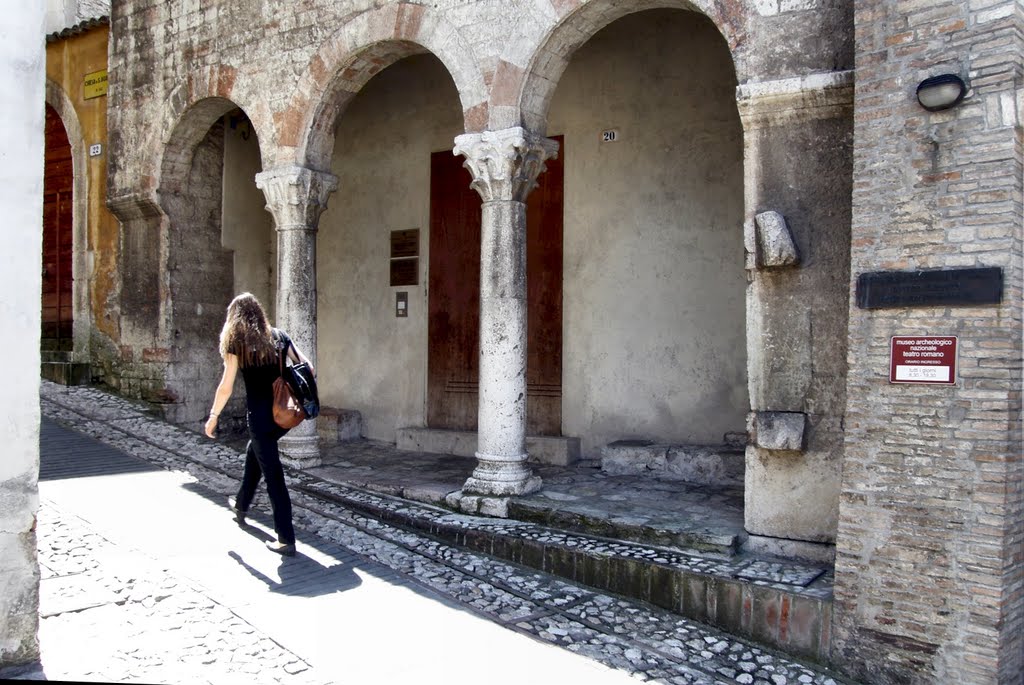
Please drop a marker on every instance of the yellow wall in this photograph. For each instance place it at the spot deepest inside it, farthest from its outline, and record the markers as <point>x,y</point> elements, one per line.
<point>68,60</point>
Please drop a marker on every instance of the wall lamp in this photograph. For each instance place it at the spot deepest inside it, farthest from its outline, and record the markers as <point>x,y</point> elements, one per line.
<point>941,92</point>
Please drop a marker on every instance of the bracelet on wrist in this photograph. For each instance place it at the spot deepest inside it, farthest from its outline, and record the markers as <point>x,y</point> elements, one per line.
<point>213,416</point>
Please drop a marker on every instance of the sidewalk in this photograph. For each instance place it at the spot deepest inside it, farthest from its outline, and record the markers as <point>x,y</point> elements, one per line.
<point>147,579</point>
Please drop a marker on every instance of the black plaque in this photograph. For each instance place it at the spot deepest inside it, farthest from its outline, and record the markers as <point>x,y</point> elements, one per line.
<point>405,243</point>
<point>937,288</point>
<point>405,271</point>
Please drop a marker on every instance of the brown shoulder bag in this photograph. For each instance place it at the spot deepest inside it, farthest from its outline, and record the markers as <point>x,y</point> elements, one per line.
<point>288,411</point>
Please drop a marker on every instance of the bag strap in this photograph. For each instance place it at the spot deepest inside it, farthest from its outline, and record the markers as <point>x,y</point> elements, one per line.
<point>279,336</point>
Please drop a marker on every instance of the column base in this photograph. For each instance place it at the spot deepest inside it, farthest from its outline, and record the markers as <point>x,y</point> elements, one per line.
<point>300,451</point>
<point>501,476</point>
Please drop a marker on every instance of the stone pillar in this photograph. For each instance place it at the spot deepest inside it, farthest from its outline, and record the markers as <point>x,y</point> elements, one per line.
<point>797,145</point>
<point>505,166</point>
<point>296,196</point>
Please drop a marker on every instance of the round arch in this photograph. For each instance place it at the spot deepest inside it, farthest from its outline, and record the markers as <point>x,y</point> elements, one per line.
<point>193,107</point>
<point>363,47</point>
<point>522,94</point>
<point>81,327</point>
<point>195,268</point>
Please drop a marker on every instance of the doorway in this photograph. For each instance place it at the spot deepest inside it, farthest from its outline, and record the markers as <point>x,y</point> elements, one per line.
<point>58,185</point>
<point>454,291</point>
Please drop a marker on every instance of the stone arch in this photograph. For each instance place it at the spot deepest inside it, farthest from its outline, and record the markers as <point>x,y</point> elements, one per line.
<point>363,47</point>
<point>194,107</point>
<point>190,127</point>
<point>193,270</point>
<point>82,326</point>
<point>528,73</point>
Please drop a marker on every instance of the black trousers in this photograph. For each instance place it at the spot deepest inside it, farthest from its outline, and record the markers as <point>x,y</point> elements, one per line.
<point>263,459</point>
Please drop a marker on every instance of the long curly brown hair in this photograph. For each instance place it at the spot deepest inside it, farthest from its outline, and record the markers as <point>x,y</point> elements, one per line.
<point>246,333</point>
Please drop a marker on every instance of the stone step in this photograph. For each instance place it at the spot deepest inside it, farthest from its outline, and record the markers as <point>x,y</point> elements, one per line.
<point>781,604</point>
<point>66,372</point>
<point>555,450</point>
<point>701,464</point>
<point>679,534</point>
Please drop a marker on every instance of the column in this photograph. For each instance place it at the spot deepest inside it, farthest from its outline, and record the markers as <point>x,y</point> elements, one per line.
<point>505,166</point>
<point>296,196</point>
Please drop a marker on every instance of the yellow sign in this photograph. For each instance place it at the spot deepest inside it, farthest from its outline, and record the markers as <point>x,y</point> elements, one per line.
<point>95,84</point>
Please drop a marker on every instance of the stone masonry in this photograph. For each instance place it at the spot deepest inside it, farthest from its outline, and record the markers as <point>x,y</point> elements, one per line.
<point>918,487</point>
<point>177,67</point>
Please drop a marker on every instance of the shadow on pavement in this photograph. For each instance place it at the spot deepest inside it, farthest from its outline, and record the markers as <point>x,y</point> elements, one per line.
<point>301,576</point>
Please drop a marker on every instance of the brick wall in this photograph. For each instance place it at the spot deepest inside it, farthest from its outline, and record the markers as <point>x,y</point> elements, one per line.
<point>929,554</point>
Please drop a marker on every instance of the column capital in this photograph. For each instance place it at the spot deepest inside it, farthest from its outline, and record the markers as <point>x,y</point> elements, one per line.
<point>505,164</point>
<point>296,196</point>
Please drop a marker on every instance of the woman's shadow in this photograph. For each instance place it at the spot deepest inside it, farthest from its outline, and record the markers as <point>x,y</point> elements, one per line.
<point>302,575</point>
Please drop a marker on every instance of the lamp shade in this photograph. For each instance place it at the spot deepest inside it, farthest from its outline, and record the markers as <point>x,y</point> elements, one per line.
<point>941,92</point>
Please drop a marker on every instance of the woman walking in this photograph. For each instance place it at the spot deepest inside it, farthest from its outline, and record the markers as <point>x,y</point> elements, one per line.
<point>247,342</point>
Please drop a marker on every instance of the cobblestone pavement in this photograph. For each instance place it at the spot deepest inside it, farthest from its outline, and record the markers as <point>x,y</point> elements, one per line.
<point>362,602</point>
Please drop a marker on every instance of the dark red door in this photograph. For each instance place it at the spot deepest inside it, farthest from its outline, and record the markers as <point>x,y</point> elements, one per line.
<point>58,182</point>
<point>454,288</point>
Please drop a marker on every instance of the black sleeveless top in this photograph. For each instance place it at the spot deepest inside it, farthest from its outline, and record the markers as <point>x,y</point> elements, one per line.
<point>259,388</point>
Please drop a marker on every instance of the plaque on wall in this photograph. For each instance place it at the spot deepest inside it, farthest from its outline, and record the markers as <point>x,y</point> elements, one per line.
<point>405,271</point>
<point>923,359</point>
<point>938,288</point>
<point>405,252</point>
<point>405,243</point>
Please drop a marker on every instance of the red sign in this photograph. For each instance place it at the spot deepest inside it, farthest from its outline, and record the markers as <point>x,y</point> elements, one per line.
<point>923,359</point>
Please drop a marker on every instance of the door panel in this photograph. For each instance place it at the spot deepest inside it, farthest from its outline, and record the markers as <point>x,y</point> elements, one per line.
<point>58,182</point>
<point>544,300</point>
<point>454,309</point>
<point>454,288</point>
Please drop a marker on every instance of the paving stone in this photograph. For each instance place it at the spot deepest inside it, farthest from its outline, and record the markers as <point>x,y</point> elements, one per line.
<point>649,643</point>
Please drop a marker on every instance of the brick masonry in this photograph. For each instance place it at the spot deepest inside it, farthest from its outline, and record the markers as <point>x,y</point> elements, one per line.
<point>929,559</point>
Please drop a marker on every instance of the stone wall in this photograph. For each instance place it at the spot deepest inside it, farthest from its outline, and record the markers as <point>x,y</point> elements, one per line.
<point>21,191</point>
<point>97,281</point>
<point>930,565</point>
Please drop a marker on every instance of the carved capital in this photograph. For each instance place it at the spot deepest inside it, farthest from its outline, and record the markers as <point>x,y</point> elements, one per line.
<point>296,196</point>
<point>505,164</point>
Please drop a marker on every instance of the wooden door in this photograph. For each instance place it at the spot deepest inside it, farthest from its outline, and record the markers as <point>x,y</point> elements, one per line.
<point>58,182</point>
<point>454,290</point>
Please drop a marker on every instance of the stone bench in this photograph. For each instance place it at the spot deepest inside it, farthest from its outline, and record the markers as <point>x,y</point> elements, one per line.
<point>339,425</point>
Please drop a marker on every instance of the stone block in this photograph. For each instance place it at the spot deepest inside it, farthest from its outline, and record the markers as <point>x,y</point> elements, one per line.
<point>728,604</point>
<point>560,561</point>
<point>628,577</point>
<point>778,430</point>
<point>532,554</point>
<point>765,611</point>
<point>695,597</point>
<point>633,457</point>
<point>705,465</point>
<point>666,588</point>
<point>775,246</point>
<point>558,451</point>
<point>592,571</point>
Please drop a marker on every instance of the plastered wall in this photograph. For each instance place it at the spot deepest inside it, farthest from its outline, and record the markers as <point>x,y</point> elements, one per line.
<point>247,228</point>
<point>653,337</point>
<point>654,340</point>
<point>97,280</point>
<point>369,359</point>
<point>21,191</point>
